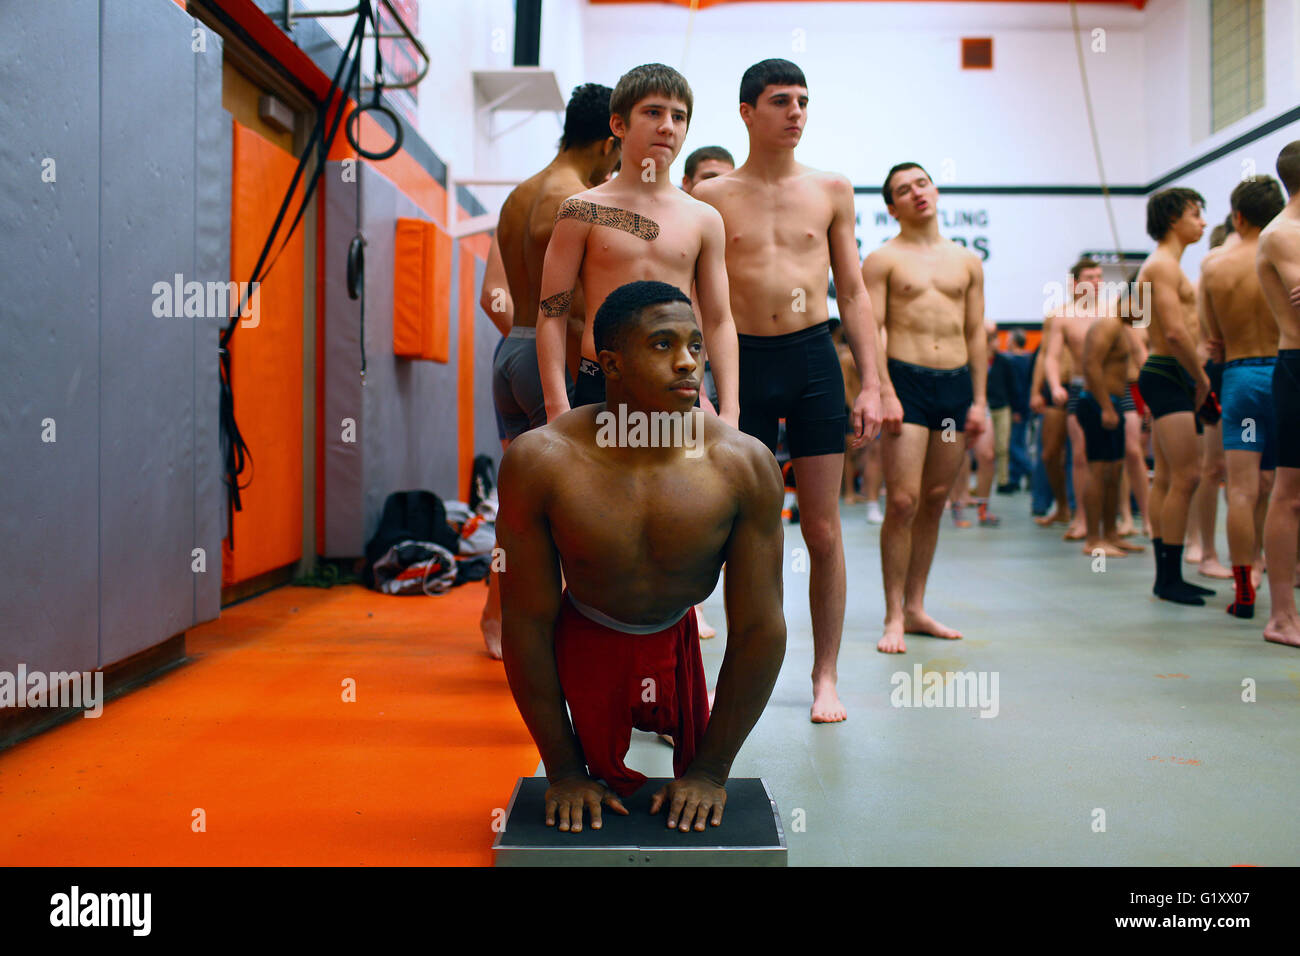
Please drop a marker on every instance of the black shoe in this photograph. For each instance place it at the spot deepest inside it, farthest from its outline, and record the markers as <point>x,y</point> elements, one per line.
<point>1010,488</point>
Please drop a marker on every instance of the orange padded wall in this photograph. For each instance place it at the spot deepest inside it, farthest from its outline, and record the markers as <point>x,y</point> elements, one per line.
<point>266,362</point>
<point>422,291</point>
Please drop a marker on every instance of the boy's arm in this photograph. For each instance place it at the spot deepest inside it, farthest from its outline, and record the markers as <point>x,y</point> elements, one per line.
<point>560,272</point>
<point>1096,345</point>
<point>976,348</point>
<point>755,641</point>
<point>1209,322</point>
<point>856,314</point>
<point>530,602</point>
<point>875,279</point>
<point>1055,340</point>
<point>494,298</point>
<point>719,327</point>
<point>1167,312</point>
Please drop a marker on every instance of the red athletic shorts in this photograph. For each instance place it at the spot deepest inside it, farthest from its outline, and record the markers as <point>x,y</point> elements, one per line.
<point>614,681</point>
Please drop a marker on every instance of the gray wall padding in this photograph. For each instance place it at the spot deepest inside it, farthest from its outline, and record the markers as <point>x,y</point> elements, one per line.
<point>213,159</point>
<point>406,413</point>
<point>99,526</point>
<point>49,337</point>
<point>486,338</point>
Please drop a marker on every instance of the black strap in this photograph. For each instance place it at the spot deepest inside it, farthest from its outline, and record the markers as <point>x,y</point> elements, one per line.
<point>235,453</point>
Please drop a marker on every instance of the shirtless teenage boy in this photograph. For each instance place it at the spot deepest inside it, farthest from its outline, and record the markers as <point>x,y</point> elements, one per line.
<point>587,155</point>
<point>1242,334</point>
<point>1098,411</point>
<point>641,534</point>
<point>929,294</point>
<point>787,227</point>
<point>1278,266</point>
<point>1173,383</point>
<point>636,226</point>
<point>1067,334</point>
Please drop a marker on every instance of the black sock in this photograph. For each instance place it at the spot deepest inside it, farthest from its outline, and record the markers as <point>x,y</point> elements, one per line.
<point>1172,587</point>
<point>1174,564</point>
<point>1160,561</point>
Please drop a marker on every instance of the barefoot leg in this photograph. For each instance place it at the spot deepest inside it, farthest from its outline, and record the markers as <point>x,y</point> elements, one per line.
<point>904,464</point>
<point>942,460</point>
<point>817,479</point>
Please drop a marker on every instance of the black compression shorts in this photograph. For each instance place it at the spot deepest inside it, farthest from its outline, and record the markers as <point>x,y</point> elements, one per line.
<point>796,377</point>
<point>936,398</point>
<point>1101,443</point>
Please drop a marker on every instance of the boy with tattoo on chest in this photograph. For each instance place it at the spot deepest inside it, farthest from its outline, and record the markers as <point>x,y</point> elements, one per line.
<point>637,226</point>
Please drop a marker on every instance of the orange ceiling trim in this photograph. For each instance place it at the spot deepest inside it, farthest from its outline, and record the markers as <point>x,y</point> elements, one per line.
<point>705,4</point>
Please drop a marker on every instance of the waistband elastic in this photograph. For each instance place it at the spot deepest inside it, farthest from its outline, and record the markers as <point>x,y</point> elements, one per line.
<point>786,340</point>
<point>1115,399</point>
<point>1291,355</point>
<point>925,369</point>
<point>599,617</point>
<point>1262,360</point>
<point>522,332</point>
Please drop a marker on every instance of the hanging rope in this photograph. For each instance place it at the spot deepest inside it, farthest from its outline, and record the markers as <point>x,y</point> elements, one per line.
<point>1096,141</point>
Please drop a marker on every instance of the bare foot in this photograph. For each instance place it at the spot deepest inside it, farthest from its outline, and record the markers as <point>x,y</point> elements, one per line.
<point>1281,630</point>
<point>1109,549</point>
<point>892,641</point>
<point>711,693</point>
<point>1257,577</point>
<point>853,499</point>
<point>1125,528</point>
<point>826,706</point>
<point>706,629</point>
<point>1192,554</point>
<point>666,738</point>
<point>492,638</point>
<point>1056,517</point>
<point>1074,533</point>
<point>918,622</point>
<point>1126,545</point>
<point>1211,568</point>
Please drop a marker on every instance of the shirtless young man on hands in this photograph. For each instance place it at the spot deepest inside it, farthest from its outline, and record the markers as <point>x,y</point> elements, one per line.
<point>1278,266</point>
<point>641,529</point>
<point>929,294</point>
<point>636,226</point>
<point>787,227</point>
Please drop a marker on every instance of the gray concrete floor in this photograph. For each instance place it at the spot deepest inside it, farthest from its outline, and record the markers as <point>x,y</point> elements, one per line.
<point>1110,702</point>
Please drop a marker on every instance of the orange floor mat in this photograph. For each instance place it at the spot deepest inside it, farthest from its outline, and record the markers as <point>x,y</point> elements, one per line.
<point>254,731</point>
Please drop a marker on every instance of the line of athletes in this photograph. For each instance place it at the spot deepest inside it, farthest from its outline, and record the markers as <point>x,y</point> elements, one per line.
<point>601,542</point>
<point>1213,363</point>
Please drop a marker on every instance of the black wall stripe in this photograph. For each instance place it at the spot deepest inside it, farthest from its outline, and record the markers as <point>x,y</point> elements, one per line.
<point>1245,139</point>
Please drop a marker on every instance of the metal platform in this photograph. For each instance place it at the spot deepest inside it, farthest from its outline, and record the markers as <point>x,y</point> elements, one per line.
<point>750,833</point>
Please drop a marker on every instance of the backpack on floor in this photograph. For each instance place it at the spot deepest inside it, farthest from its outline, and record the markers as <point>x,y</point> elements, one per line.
<point>409,516</point>
<point>415,567</point>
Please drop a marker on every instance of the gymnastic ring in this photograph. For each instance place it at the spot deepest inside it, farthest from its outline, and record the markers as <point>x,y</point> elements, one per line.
<point>397,131</point>
<point>356,267</point>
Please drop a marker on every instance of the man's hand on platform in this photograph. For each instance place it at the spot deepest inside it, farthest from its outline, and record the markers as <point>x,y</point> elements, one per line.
<point>567,798</point>
<point>690,798</point>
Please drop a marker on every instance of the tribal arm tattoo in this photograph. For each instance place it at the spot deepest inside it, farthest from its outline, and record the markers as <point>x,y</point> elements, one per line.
<point>634,223</point>
<point>557,304</point>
